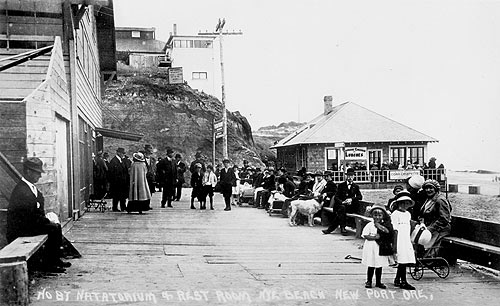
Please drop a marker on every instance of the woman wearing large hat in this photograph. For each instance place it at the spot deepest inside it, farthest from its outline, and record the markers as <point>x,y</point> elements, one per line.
<point>436,214</point>
<point>139,194</point>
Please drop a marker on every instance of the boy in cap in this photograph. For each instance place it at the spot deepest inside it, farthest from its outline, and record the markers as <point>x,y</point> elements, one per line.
<point>26,216</point>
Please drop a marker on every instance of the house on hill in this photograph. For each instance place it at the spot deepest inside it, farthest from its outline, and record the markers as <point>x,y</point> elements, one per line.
<point>349,135</point>
<point>139,48</point>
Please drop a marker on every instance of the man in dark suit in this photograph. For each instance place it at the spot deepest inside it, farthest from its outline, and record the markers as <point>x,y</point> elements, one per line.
<point>26,216</point>
<point>118,179</point>
<point>151,166</point>
<point>346,200</point>
<point>181,168</point>
<point>226,180</point>
<point>167,175</point>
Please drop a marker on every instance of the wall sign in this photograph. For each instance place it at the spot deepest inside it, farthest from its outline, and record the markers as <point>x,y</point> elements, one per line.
<point>355,153</point>
<point>175,75</point>
<point>402,174</point>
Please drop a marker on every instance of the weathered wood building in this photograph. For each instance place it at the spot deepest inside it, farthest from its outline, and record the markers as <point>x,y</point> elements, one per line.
<point>55,57</point>
<point>349,135</point>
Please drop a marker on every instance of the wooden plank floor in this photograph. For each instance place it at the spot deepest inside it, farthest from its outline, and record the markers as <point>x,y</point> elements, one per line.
<point>181,256</point>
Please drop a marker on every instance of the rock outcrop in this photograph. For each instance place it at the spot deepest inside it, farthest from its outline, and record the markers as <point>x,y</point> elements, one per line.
<point>175,116</point>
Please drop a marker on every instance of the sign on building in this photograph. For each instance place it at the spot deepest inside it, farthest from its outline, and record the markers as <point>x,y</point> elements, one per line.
<point>175,75</point>
<point>402,174</point>
<point>355,153</point>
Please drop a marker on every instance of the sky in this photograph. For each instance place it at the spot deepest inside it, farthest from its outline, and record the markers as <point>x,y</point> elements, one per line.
<point>431,65</point>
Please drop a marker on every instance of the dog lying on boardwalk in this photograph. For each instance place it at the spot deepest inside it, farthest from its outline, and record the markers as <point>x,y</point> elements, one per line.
<point>306,207</point>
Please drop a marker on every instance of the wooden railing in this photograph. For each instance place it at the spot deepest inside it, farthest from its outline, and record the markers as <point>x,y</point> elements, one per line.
<point>385,176</point>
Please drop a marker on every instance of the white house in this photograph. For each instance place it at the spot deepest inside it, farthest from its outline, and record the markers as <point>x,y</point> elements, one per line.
<point>195,54</point>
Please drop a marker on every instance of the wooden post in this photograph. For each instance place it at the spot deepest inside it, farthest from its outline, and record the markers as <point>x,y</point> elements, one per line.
<point>14,283</point>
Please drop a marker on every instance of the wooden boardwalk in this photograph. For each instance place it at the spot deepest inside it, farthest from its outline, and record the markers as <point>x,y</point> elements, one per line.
<point>181,256</point>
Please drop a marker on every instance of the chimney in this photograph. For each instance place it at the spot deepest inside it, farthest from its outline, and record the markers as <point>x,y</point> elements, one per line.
<point>328,104</point>
<point>175,29</point>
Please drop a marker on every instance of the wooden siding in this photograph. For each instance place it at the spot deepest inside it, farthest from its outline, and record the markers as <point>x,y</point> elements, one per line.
<point>42,105</point>
<point>13,131</point>
<point>88,81</point>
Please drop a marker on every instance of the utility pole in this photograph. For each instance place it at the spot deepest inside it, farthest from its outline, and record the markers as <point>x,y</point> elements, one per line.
<point>218,32</point>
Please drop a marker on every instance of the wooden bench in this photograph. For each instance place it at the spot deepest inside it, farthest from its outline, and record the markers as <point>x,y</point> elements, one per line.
<point>473,240</point>
<point>14,269</point>
<point>358,220</point>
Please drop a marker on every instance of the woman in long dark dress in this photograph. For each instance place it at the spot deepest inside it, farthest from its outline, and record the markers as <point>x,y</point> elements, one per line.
<point>139,195</point>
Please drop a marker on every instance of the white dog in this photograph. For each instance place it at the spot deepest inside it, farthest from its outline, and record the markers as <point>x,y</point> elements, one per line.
<point>305,207</point>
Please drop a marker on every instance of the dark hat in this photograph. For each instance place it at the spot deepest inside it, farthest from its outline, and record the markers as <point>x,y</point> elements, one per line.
<point>397,189</point>
<point>148,148</point>
<point>327,173</point>
<point>170,151</point>
<point>178,155</point>
<point>120,150</point>
<point>349,171</point>
<point>225,160</point>
<point>198,154</point>
<point>34,163</point>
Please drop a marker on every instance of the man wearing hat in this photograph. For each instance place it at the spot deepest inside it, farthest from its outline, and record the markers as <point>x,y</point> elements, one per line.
<point>151,167</point>
<point>167,176</point>
<point>26,216</point>
<point>346,200</point>
<point>226,180</point>
<point>181,168</point>
<point>119,180</point>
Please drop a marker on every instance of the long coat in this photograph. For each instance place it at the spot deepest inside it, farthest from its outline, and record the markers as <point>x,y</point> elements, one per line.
<point>25,214</point>
<point>139,188</point>
<point>227,178</point>
<point>437,214</point>
<point>151,173</point>
<point>118,178</point>
<point>167,174</point>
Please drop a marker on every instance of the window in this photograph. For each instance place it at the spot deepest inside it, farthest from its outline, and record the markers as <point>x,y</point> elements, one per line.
<point>177,43</point>
<point>398,155</point>
<point>136,34</point>
<point>374,158</point>
<point>332,159</point>
<point>202,44</point>
<point>200,75</point>
<point>417,155</point>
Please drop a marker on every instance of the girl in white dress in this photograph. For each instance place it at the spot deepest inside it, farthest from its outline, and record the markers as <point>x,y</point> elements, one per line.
<point>402,229</point>
<point>377,249</point>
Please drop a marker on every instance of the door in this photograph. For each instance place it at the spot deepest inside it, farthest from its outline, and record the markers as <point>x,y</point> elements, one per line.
<point>61,165</point>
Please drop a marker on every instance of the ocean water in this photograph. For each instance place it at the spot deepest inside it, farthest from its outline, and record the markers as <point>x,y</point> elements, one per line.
<point>487,183</point>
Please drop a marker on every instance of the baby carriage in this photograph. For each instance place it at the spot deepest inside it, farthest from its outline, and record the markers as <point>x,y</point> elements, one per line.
<point>425,255</point>
<point>246,193</point>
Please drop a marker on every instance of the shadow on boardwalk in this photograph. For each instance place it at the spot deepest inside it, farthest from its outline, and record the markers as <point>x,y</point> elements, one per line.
<point>179,256</point>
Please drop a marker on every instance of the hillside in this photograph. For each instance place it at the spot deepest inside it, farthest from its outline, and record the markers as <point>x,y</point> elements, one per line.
<point>267,136</point>
<point>174,116</point>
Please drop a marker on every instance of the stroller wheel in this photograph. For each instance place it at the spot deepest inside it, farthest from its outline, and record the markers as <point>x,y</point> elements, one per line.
<point>416,271</point>
<point>441,267</point>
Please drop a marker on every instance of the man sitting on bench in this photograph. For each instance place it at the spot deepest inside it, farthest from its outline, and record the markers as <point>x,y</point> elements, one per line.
<point>346,200</point>
<point>26,216</point>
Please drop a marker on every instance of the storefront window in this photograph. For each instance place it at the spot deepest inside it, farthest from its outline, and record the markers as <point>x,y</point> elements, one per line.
<point>416,155</point>
<point>398,157</point>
